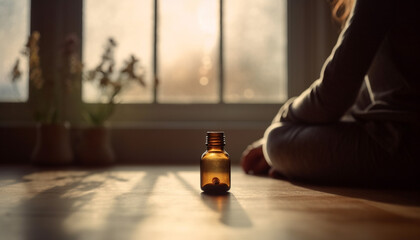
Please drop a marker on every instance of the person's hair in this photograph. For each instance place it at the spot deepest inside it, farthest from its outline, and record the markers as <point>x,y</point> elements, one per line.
<point>341,10</point>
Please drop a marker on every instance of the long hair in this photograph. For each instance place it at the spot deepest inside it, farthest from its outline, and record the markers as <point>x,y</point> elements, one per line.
<point>341,9</point>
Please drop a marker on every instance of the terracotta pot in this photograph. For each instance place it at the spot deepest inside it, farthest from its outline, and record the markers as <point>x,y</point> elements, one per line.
<point>95,147</point>
<point>52,145</point>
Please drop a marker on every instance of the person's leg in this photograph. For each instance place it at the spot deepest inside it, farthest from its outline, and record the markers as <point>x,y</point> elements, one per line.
<point>341,153</point>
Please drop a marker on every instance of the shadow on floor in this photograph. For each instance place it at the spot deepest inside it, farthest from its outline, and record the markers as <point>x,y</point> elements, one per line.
<point>45,213</point>
<point>402,195</point>
<point>231,212</point>
<point>393,196</point>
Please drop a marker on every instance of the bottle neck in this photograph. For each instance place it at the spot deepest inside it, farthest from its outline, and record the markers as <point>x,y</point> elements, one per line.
<point>215,141</point>
<point>217,148</point>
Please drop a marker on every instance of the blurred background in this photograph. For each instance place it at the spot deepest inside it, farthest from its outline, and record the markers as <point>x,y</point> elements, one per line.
<point>206,64</point>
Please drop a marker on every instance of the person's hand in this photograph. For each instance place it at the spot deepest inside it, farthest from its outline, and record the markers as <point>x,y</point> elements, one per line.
<point>253,161</point>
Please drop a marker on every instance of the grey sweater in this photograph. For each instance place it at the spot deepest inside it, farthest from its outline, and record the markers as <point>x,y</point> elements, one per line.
<point>381,40</point>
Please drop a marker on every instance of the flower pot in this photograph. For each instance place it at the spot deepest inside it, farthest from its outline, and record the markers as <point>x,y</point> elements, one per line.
<point>95,147</point>
<point>52,146</point>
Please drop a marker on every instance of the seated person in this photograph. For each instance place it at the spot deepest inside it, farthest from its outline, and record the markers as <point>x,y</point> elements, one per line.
<point>372,75</point>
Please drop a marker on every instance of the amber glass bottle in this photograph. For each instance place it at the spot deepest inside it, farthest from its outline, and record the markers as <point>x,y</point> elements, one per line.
<point>215,165</point>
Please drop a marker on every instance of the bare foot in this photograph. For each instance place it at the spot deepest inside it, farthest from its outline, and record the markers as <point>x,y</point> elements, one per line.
<point>253,161</point>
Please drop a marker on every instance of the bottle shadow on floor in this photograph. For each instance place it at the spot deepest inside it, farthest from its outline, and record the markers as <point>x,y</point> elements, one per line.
<point>231,212</point>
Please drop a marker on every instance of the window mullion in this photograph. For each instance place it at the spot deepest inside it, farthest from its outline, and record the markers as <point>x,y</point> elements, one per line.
<point>221,64</point>
<point>155,49</point>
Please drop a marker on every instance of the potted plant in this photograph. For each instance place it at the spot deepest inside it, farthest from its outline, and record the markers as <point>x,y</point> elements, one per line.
<point>95,147</point>
<point>48,101</point>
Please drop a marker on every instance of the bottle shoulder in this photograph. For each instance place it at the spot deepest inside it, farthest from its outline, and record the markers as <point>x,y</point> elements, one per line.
<point>208,155</point>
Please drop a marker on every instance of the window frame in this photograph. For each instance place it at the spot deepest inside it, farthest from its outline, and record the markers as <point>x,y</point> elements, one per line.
<point>308,34</point>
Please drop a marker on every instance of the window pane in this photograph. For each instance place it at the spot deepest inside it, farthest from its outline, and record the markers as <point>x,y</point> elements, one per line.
<point>255,51</point>
<point>14,31</point>
<point>130,24</point>
<point>188,45</point>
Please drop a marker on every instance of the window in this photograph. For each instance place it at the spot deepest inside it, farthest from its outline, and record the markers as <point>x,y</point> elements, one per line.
<point>14,29</point>
<point>130,23</point>
<point>255,51</point>
<point>216,60</point>
<point>206,51</point>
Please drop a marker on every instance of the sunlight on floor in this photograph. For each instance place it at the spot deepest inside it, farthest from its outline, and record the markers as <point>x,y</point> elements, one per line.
<point>166,203</point>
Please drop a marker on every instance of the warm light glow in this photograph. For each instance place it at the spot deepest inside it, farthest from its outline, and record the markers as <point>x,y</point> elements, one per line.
<point>255,51</point>
<point>130,23</point>
<point>204,81</point>
<point>249,93</point>
<point>188,31</point>
<point>206,18</point>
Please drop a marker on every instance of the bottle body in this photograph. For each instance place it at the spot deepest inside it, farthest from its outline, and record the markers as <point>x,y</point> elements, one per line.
<point>215,166</point>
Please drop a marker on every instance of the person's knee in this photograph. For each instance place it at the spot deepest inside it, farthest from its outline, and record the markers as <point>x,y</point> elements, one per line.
<point>276,145</point>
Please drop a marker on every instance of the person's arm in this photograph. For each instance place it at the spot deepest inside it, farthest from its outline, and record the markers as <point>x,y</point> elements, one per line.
<point>342,75</point>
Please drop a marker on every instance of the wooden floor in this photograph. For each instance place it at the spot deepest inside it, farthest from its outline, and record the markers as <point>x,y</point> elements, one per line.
<point>166,203</point>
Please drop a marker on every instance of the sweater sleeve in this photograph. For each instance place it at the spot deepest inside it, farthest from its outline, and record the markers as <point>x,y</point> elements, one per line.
<point>329,97</point>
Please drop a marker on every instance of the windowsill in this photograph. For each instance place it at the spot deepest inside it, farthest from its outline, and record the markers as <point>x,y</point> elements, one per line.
<point>196,125</point>
<point>21,113</point>
<point>164,142</point>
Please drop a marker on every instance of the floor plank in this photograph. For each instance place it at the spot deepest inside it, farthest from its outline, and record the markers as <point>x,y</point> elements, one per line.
<point>151,202</point>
